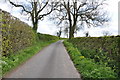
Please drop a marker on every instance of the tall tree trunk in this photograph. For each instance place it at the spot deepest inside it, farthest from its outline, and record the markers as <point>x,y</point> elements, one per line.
<point>34,17</point>
<point>35,26</point>
<point>72,28</point>
<point>71,34</point>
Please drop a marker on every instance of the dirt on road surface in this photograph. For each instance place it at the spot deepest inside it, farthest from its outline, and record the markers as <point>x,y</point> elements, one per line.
<point>52,62</point>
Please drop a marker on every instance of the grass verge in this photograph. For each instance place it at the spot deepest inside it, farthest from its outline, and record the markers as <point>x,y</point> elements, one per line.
<point>9,63</point>
<point>88,69</point>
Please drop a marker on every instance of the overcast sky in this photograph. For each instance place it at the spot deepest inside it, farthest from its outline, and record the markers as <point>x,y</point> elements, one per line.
<point>48,27</point>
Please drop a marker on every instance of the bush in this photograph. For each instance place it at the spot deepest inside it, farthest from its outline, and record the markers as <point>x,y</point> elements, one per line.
<point>88,69</point>
<point>104,50</point>
<point>16,35</point>
<point>47,37</point>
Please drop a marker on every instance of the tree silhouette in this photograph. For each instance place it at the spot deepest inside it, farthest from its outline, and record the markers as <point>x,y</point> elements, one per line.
<point>37,9</point>
<point>80,13</point>
<point>106,33</point>
<point>59,32</point>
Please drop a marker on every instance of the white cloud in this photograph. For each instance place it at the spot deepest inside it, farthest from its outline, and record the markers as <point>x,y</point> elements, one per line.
<point>49,28</point>
<point>5,6</point>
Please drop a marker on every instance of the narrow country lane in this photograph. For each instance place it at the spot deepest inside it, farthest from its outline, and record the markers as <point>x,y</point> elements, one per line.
<point>52,62</point>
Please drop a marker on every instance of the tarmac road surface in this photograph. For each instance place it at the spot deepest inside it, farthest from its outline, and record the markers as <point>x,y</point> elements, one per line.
<point>51,62</point>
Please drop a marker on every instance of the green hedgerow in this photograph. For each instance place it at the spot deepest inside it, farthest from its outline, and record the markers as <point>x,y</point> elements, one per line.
<point>88,69</point>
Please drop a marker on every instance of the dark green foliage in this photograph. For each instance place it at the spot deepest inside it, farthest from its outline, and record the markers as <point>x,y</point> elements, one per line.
<point>87,67</point>
<point>103,50</point>
<point>47,37</point>
<point>16,35</point>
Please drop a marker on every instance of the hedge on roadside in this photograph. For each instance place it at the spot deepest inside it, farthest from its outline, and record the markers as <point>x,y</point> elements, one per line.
<point>88,69</point>
<point>16,35</point>
<point>104,50</point>
<point>18,42</point>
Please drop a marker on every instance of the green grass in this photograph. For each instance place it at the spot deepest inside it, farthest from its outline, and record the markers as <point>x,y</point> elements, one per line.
<point>103,50</point>
<point>19,42</point>
<point>12,61</point>
<point>88,69</point>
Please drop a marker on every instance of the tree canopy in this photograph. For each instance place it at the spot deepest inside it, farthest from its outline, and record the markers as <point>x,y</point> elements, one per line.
<point>37,9</point>
<point>77,14</point>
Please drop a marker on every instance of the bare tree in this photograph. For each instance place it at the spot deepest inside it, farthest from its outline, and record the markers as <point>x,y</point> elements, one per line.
<point>66,31</point>
<point>59,32</point>
<point>87,34</point>
<point>80,13</point>
<point>37,9</point>
<point>106,33</point>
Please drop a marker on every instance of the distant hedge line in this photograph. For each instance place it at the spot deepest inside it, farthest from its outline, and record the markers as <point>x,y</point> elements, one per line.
<point>47,37</point>
<point>16,35</point>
